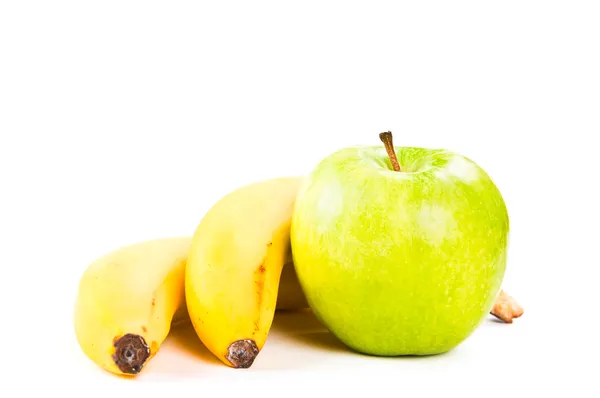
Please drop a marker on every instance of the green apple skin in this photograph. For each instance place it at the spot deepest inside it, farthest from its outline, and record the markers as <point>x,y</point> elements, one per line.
<point>400,263</point>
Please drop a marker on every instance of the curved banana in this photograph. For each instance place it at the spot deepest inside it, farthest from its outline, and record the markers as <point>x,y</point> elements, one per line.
<point>235,265</point>
<point>127,300</point>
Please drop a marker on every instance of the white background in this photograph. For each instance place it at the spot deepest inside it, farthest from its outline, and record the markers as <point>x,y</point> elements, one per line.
<point>123,121</point>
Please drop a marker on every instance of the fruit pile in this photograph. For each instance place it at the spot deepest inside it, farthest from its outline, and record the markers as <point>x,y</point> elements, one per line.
<point>397,250</point>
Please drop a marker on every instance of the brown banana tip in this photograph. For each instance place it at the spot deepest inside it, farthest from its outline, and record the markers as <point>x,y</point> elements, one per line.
<point>242,353</point>
<point>131,353</point>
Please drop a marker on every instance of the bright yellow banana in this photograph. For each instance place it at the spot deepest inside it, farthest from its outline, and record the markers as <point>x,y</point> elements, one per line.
<point>127,301</point>
<point>234,269</point>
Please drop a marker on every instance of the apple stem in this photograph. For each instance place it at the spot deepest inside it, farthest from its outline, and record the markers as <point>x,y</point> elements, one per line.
<point>388,141</point>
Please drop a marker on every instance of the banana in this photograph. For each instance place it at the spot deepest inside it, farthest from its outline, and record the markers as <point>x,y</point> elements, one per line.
<point>235,264</point>
<point>290,296</point>
<point>127,300</point>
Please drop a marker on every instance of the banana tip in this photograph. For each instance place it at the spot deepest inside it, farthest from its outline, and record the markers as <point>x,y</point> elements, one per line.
<point>131,353</point>
<point>242,353</point>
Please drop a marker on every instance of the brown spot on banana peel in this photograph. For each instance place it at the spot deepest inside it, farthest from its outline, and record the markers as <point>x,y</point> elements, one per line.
<point>131,353</point>
<point>256,328</point>
<point>144,329</point>
<point>250,345</point>
<point>242,353</point>
<point>259,281</point>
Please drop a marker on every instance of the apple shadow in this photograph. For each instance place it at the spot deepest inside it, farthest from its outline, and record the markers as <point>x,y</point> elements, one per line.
<point>303,327</point>
<point>297,339</point>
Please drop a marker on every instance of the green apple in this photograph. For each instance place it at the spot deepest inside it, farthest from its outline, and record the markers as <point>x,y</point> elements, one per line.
<point>402,262</point>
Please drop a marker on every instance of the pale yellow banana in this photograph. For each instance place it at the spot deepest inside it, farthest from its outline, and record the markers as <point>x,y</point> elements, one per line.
<point>235,266</point>
<point>290,296</point>
<point>127,300</point>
